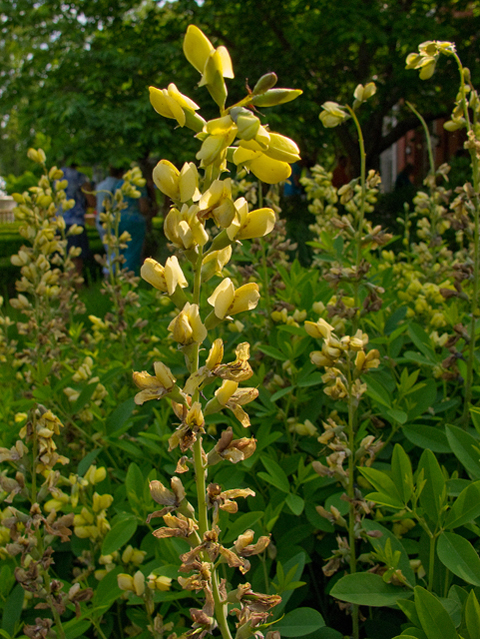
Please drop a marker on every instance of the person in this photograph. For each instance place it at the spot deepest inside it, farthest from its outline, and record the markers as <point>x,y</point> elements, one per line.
<point>340,175</point>
<point>105,190</point>
<point>132,219</point>
<point>404,179</point>
<point>78,189</point>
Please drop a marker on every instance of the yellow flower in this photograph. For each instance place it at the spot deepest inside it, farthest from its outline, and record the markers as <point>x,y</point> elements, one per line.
<point>184,229</point>
<point>213,64</point>
<point>159,583</point>
<point>153,387</point>
<point>227,301</point>
<point>166,278</point>
<point>177,185</point>
<point>217,203</point>
<point>217,136</point>
<point>250,224</point>
<point>187,327</point>
<point>320,329</point>
<point>170,103</point>
<point>266,169</point>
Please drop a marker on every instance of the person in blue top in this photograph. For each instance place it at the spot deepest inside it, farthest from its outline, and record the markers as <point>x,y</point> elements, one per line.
<point>132,219</point>
<point>77,190</point>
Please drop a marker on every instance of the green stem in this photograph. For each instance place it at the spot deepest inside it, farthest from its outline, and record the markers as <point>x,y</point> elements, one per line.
<point>351,495</point>
<point>431,562</point>
<point>476,260</point>
<point>56,616</point>
<point>200,469</point>
<point>220,608</point>
<point>361,217</point>
<point>427,136</point>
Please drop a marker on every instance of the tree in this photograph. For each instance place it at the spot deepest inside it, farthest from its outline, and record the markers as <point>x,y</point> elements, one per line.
<point>79,72</point>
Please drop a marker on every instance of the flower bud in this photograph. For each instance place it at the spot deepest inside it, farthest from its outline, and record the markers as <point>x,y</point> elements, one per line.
<point>274,97</point>
<point>266,82</point>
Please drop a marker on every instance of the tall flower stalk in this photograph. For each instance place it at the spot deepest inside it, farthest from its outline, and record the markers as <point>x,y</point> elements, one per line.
<point>203,225</point>
<point>467,102</point>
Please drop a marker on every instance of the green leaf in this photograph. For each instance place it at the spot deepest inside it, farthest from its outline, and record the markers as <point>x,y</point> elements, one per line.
<point>272,352</point>
<point>385,500</point>
<point>13,609</point>
<point>465,447</point>
<point>427,438</point>
<point>421,340</point>
<point>245,521</point>
<point>434,492</point>
<point>280,393</point>
<point>119,417</point>
<point>76,628</point>
<point>367,589</point>
<point>409,609</point>
<point>432,614</point>
<point>472,615</point>
<point>459,556</point>
<point>296,503</point>
<point>84,397</point>
<point>465,508</point>
<point>299,623</point>
<point>85,463</point>
<point>107,592</point>
<point>379,543</point>
<point>119,535</point>
<point>475,415</point>
<point>134,484</point>
<point>382,482</point>
<point>397,415</point>
<point>278,477</point>
<point>402,473</point>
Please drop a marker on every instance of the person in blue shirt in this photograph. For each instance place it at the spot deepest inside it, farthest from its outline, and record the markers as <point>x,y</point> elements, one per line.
<point>77,190</point>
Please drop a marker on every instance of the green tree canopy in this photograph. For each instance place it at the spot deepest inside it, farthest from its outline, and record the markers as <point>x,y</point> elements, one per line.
<point>79,71</point>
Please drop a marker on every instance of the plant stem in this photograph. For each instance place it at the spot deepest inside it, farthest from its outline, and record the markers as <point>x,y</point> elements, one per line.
<point>200,469</point>
<point>361,217</point>
<point>476,249</point>
<point>431,562</point>
<point>351,494</point>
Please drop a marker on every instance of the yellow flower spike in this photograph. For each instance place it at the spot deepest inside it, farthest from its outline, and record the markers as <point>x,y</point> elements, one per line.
<point>125,582</point>
<point>166,177</point>
<point>197,47</point>
<point>187,327</point>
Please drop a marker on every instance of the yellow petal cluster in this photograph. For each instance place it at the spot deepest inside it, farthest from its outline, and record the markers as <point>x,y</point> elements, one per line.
<point>166,278</point>
<point>227,301</point>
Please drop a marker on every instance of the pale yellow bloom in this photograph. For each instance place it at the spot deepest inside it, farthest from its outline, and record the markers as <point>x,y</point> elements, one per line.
<point>153,387</point>
<point>177,185</point>
<point>166,278</point>
<point>227,301</point>
<point>250,224</point>
<point>187,326</point>
<point>170,103</point>
<point>184,229</point>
